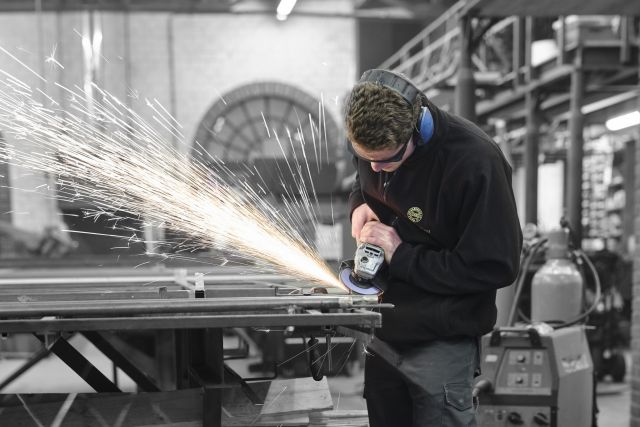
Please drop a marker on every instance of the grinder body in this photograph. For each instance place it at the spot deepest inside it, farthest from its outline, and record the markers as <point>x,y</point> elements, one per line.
<point>368,260</point>
<point>359,275</point>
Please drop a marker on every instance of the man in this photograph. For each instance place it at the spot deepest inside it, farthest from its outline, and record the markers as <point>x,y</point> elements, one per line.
<point>434,191</point>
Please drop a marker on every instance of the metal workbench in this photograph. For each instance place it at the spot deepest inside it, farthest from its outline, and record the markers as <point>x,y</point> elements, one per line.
<point>53,305</point>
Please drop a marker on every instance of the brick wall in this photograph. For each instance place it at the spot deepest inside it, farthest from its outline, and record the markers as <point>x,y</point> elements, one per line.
<point>318,58</point>
<point>185,61</point>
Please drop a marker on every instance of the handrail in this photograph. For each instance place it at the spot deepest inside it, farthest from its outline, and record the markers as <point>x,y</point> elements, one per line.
<point>431,57</point>
<point>422,35</point>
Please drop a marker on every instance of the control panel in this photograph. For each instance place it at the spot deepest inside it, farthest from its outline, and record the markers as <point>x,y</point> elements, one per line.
<point>532,380</point>
<point>525,416</point>
<point>524,371</point>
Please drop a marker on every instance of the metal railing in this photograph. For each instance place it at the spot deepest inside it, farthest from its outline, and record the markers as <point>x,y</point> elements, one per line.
<point>430,56</point>
<point>502,56</point>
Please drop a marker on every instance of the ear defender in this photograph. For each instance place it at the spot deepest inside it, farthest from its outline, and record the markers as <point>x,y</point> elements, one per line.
<point>409,92</point>
<point>425,126</point>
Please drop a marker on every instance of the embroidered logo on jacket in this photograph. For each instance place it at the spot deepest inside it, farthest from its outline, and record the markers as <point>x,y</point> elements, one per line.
<point>414,214</point>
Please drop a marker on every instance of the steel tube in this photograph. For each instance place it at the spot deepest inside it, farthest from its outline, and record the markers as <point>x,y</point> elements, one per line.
<point>160,278</point>
<point>155,306</point>
<point>465,98</point>
<point>531,154</point>
<point>363,318</point>
<point>575,154</point>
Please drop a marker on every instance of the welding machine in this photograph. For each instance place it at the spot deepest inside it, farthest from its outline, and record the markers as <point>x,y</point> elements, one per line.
<point>533,379</point>
<point>540,372</point>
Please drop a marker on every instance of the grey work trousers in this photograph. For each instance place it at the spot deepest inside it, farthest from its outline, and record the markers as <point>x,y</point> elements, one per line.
<point>429,385</point>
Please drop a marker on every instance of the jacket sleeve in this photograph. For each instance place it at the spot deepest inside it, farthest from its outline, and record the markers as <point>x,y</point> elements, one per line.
<point>486,255</point>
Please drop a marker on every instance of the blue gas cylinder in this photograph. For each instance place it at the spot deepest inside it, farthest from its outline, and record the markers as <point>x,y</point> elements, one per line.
<point>557,287</point>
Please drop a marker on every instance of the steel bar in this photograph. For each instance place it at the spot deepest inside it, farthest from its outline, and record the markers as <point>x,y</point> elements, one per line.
<point>232,377</point>
<point>562,41</point>
<point>166,353</point>
<point>199,363</point>
<point>81,366</point>
<point>143,380</point>
<point>154,306</point>
<point>628,217</point>
<point>160,278</point>
<point>360,318</point>
<point>207,370</point>
<point>531,154</point>
<point>575,154</point>
<point>465,100</point>
<point>362,335</point>
<point>81,294</point>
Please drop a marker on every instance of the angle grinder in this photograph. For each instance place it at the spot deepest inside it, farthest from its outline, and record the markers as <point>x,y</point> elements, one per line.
<point>360,274</point>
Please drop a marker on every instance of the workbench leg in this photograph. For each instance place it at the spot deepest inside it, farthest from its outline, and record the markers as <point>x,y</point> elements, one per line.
<point>212,407</point>
<point>207,358</point>
<point>165,350</point>
<point>200,363</point>
<point>181,343</point>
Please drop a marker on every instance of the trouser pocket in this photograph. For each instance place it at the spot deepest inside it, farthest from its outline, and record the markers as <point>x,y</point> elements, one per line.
<point>459,396</point>
<point>459,405</point>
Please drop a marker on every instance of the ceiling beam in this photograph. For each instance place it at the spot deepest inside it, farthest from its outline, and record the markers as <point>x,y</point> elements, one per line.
<point>503,8</point>
<point>118,5</point>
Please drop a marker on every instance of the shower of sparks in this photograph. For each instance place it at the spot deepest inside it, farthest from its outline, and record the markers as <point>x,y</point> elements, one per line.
<point>109,156</point>
<point>51,59</point>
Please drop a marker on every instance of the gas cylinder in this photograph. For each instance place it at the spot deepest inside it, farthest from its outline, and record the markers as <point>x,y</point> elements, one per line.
<point>556,288</point>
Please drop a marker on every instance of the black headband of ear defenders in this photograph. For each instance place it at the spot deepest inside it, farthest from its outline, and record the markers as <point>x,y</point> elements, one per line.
<point>393,81</point>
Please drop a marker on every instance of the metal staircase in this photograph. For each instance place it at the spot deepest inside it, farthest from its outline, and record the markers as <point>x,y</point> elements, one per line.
<point>501,57</point>
<point>430,57</point>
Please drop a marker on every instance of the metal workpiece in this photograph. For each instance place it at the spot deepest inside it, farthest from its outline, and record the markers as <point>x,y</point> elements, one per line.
<point>51,324</point>
<point>126,301</point>
<point>175,306</point>
<point>141,279</point>
<point>139,299</point>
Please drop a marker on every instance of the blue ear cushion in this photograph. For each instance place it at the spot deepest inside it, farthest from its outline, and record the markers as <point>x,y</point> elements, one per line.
<point>425,125</point>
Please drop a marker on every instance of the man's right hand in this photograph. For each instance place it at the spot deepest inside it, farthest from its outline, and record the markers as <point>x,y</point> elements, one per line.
<point>360,216</point>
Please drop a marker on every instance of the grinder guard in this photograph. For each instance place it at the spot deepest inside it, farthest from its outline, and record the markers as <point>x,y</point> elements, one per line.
<point>374,286</point>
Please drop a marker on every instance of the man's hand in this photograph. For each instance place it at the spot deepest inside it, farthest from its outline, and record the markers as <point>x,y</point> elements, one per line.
<point>360,216</point>
<point>378,234</point>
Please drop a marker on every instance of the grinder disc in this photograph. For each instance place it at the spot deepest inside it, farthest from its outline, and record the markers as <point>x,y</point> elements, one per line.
<point>359,287</point>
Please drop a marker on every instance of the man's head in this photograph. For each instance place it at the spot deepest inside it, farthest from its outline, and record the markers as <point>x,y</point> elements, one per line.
<point>380,124</point>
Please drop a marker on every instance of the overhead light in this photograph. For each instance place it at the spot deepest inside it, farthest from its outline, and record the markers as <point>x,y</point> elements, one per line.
<point>624,121</point>
<point>284,9</point>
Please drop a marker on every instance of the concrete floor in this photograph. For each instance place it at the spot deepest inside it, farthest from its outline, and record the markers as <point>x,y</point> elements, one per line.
<point>51,375</point>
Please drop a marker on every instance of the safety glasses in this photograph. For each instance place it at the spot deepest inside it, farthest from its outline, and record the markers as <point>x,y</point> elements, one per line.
<point>395,158</point>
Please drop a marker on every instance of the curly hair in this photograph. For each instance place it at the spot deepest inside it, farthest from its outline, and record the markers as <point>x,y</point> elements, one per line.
<point>377,117</point>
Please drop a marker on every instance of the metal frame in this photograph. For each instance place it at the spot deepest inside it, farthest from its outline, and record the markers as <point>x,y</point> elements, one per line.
<point>55,308</point>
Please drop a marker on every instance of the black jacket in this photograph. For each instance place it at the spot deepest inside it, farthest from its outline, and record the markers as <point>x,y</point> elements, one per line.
<point>452,205</point>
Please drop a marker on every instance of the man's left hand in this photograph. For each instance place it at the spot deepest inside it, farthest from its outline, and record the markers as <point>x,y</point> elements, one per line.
<point>382,235</point>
